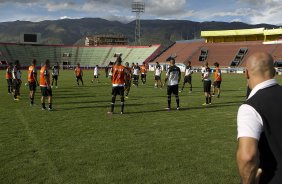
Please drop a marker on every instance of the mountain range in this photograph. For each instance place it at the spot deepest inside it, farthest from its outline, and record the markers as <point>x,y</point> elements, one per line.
<point>73,31</point>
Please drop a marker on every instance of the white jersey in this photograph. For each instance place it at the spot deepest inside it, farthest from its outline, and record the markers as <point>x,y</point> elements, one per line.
<point>158,71</point>
<point>95,71</point>
<point>203,69</point>
<point>16,73</point>
<point>55,70</point>
<point>136,70</point>
<point>110,71</point>
<point>188,71</point>
<point>173,75</point>
<point>207,74</point>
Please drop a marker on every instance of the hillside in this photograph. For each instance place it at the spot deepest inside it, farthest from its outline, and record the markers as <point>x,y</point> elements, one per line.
<point>71,31</point>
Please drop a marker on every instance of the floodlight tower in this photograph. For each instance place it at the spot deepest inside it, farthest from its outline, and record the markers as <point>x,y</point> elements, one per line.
<point>138,8</point>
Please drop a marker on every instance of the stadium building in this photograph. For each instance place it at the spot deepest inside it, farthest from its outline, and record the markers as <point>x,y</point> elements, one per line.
<point>230,48</point>
<point>101,52</point>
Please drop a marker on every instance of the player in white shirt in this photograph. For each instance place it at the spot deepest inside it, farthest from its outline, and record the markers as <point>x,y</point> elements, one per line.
<point>188,76</point>
<point>158,73</point>
<point>136,72</point>
<point>16,76</point>
<point>55,74</point>
<point>207,84</point>
<point>96,74</point>
<point>173,77</point>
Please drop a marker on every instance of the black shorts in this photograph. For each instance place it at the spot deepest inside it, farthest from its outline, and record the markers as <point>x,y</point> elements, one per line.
<point>217,84</point>
<point>207,86</point>
<point>32,86</point>
<point>16,84</point>
<point>79,77</point>
<point>127,83</point>
<point>172,89</point>
<point>188,79</point>
<point>96,76</point>
<point>157,77</point>
<point>136,77</point>
<point>45,91</point>
<point>143,76</point>
<point>55,77</point>
<point>10,82</point>
<point>119,90</point>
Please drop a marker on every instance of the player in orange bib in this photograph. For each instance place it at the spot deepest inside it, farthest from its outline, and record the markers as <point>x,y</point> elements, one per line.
<point>217,80</point>
<point>118,81</point>
<point>9,78</point>
<point>143,73</point>
<point>78,74</point>
<point>45,86</point>
<point>32,81</point>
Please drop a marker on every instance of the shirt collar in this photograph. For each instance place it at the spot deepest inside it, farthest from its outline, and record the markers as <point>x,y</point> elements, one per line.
<point>265,84</point>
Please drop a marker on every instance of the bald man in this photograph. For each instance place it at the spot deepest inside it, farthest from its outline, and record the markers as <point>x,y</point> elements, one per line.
<point>259,125</point>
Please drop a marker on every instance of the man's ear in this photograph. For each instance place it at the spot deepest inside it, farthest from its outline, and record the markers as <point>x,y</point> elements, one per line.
<point>247,75</point>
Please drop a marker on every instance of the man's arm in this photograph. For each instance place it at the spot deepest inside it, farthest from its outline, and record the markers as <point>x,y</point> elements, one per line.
<point>247,160</point>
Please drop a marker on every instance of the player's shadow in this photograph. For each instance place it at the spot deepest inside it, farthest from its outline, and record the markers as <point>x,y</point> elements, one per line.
<point>216,105</point>
<point>102,106</point>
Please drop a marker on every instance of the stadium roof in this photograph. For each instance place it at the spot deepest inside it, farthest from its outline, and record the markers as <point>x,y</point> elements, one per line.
<point>238,32</point>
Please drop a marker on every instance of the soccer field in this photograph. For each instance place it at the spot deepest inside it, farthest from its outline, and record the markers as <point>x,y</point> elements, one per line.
<point>79,143</point>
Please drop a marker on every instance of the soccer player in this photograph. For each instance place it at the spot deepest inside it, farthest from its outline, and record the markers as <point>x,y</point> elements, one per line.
<point>46,90</point>
<point>79,74</point>
<point>173,77</point>
<point>143,73</point>
<point>96,74</point>
<point>158,73</point>
<point>55,74</point>
<point>136,71</point>
<point>32,81</point>
<point>128,79</point>
<point>217,80</point>
<point>118,80</point>
<point>207,84</point>
<point>16,75</point>
<point>9,78</point>
<point>188,77</point>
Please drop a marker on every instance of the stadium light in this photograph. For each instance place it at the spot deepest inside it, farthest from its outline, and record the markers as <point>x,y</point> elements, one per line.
<point>138,8</point>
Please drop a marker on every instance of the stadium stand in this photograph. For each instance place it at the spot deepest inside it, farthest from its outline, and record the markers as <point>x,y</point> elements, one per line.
<point>87,56</point>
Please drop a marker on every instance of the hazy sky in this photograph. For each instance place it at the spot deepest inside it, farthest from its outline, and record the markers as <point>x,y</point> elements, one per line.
<point>249,11</point>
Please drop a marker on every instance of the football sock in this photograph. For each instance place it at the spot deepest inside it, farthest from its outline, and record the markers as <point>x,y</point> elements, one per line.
<point>122,106</point>
<point>43,106</point>
<point>177,100</point>
<point>207,100</point>
<point>168,101</point>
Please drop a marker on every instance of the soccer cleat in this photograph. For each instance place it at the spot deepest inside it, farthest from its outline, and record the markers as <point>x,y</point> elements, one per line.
<point>180,91</point>
<point>57,87</point>
<point>43,108</point>
<point>190,91</point>
<point>167,108</point>
<point>16,99</point>
<point>121,112</point>
<point>50,109</point>
<point>126,97</point>
<point>110,113</point>
<point>218,96</point>
<point>178,108</point>
<point>204,104</point>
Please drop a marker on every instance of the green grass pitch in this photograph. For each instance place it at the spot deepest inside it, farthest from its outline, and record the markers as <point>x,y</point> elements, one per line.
<point>79,143</point>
